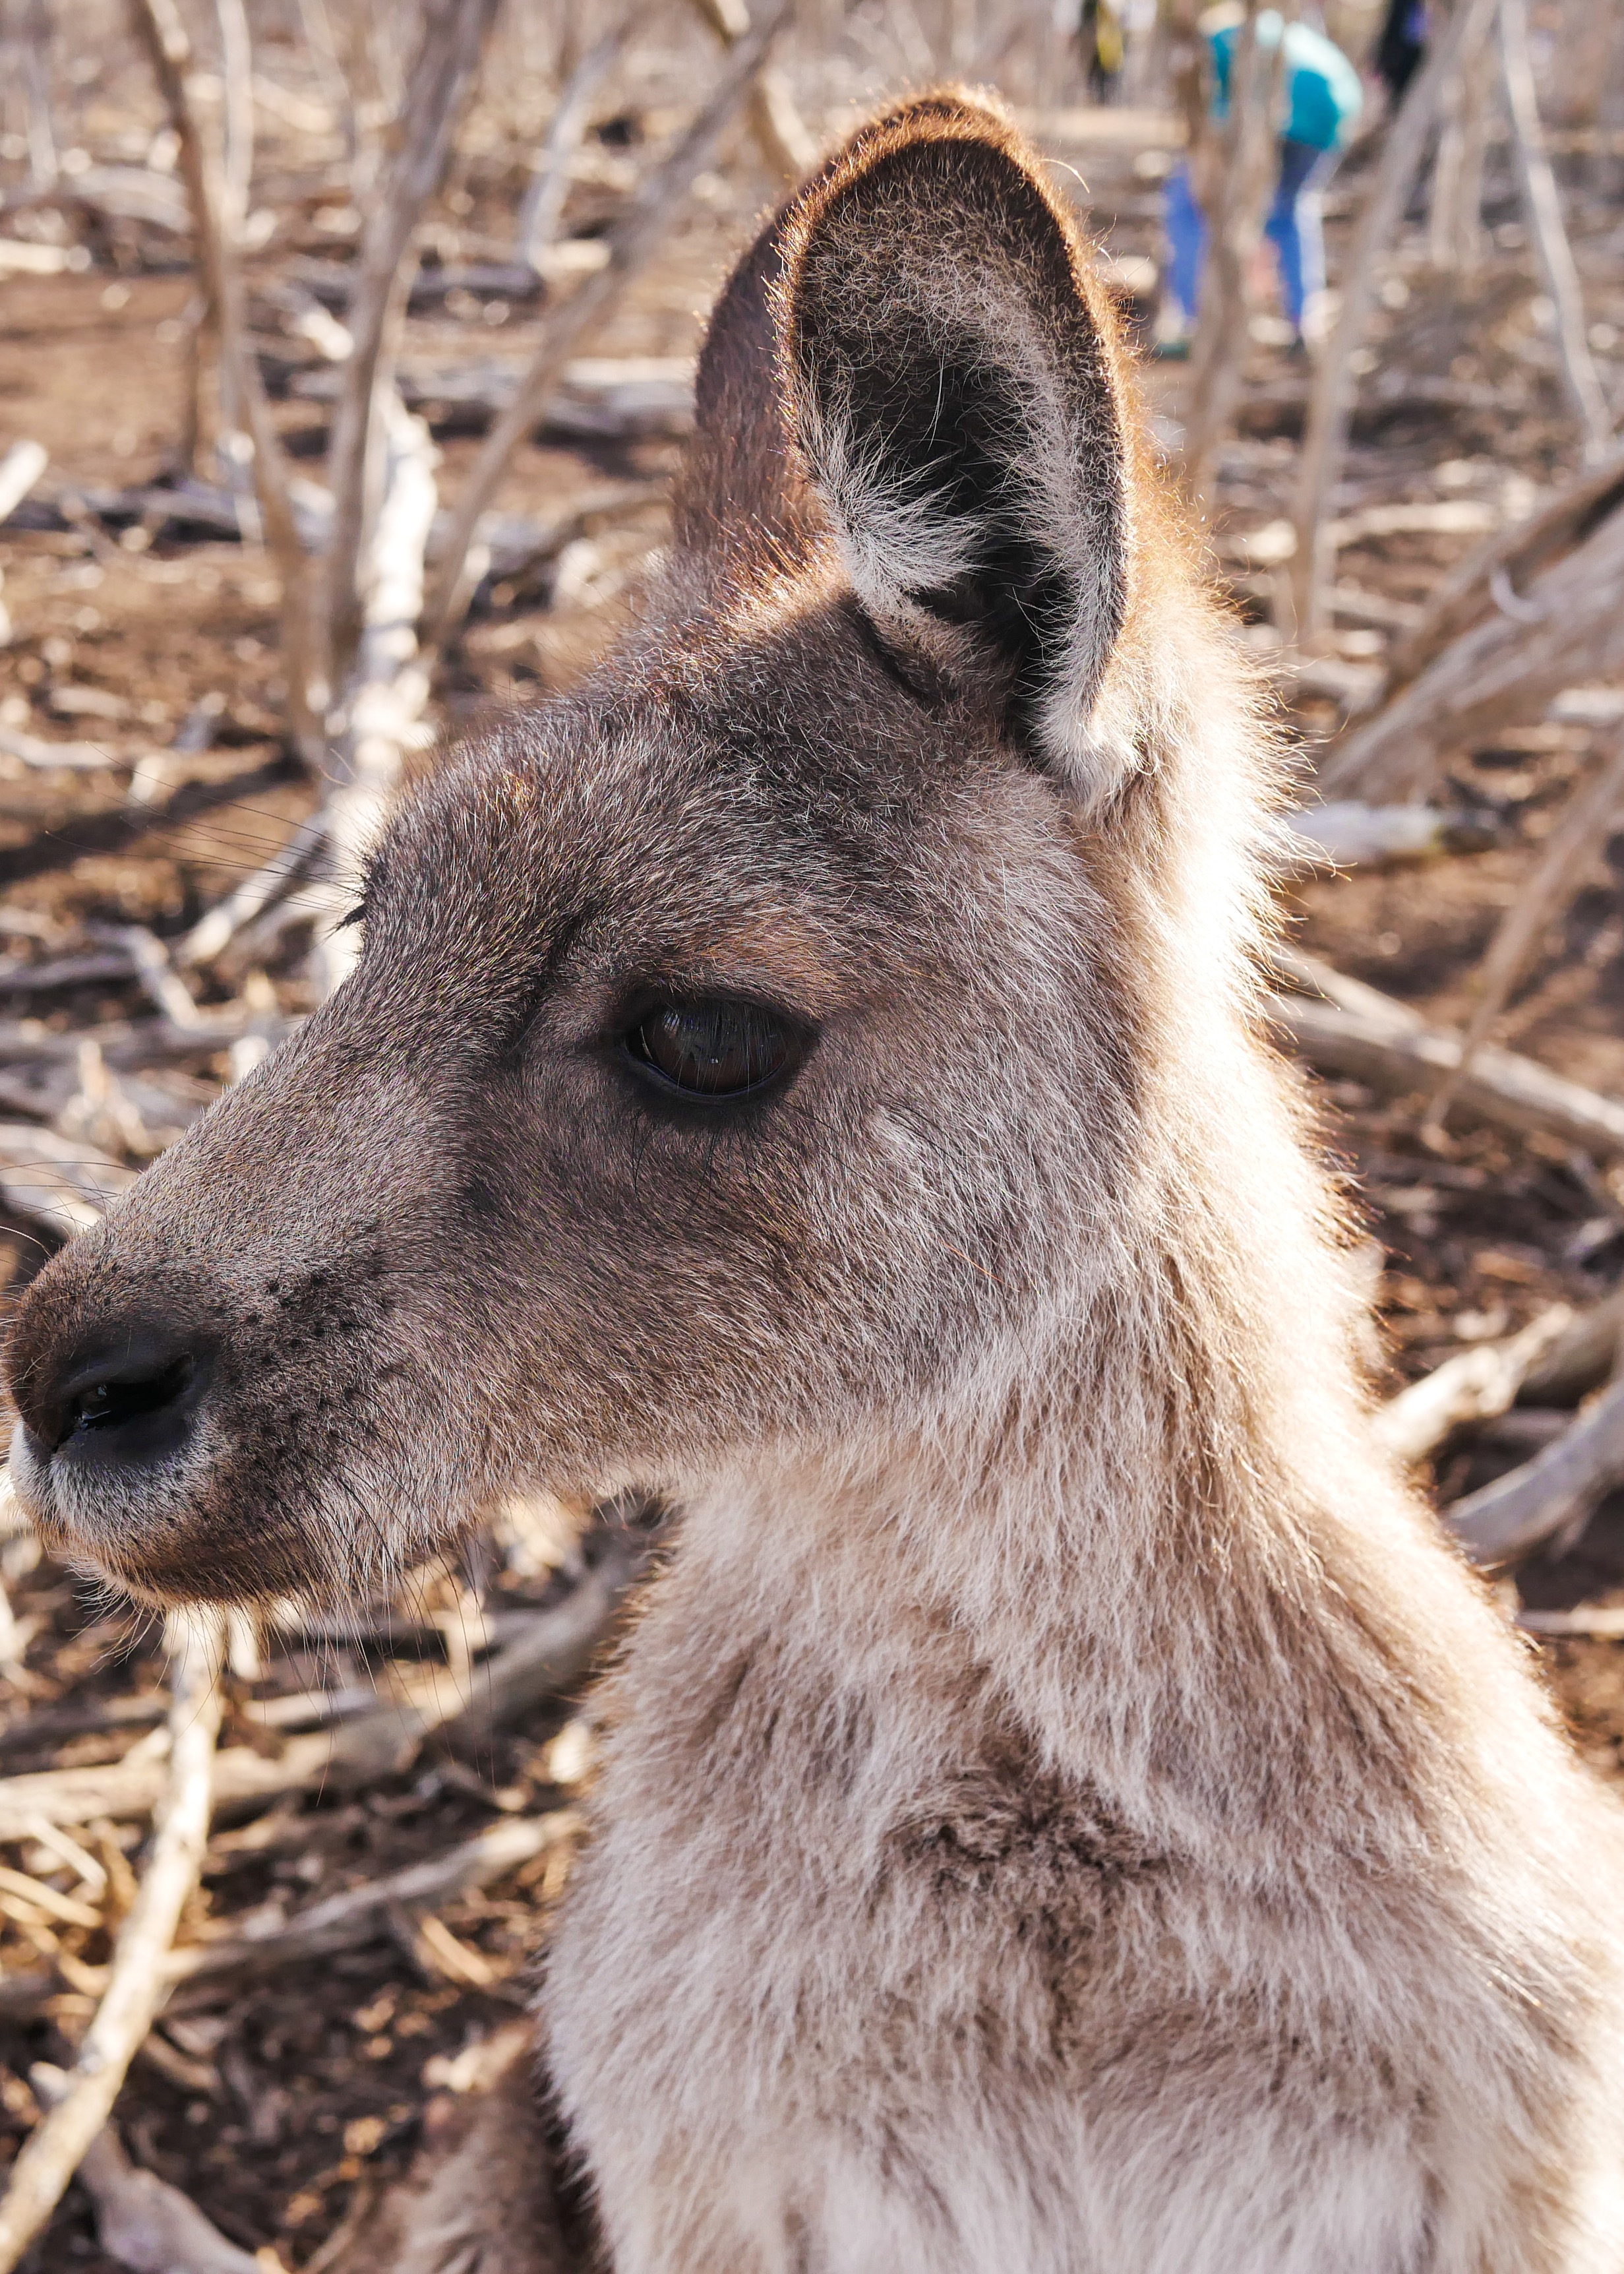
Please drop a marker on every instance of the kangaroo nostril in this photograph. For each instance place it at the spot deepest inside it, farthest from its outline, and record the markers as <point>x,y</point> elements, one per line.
<point>114,1399</point>
<point>133,1404</point>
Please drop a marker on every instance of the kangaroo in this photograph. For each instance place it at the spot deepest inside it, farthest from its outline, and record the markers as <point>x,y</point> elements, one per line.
<point>1064,1809</point>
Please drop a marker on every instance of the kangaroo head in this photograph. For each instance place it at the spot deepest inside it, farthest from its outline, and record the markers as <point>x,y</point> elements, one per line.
<point>741,1048</point>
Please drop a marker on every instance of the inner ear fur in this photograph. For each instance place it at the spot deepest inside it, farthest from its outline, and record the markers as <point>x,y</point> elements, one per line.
<point>950,382</point>
<point>744,502</point>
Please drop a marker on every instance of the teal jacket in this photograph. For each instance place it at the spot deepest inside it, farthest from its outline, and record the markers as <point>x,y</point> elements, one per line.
<point>1323,94</point>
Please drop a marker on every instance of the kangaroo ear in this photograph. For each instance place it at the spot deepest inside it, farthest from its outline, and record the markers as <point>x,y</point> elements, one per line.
<point>744,502</point>
<point>953,389</point>
<point>743,499</point>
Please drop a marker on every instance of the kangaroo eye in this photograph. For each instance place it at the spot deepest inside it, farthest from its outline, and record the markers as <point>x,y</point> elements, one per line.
<point>718,1048</point>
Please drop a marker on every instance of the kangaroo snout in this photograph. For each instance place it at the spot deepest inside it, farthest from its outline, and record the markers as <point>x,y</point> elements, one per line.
<point>188,1373</point>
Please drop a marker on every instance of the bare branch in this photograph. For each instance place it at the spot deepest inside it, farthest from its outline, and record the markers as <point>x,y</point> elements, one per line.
<point>1568,854</point>
<point>1455,224</point>
<point>237,82</point>
<point>51,2154</point>
<point>442,79</point>
<point>1331,403</point>
<point>1517,554</point>
<point>20,468</point>
<point>633,240</point>
<point>1569,626</point>
<point>1235,227</point>
<point>142,2221</point>
<point>158,28</point>
<point>780,132</point>
<point>216,930</point>
<point>361,1913</point>
<point>1544,209</point>
<point>542,206</point>
<point>553,1654</point>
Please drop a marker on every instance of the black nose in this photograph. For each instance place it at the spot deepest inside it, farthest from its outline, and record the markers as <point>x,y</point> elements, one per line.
<point>134,1402</point>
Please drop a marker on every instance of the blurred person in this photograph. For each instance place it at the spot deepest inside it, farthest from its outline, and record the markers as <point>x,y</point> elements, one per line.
<point>1323,97</point>
<point>1400,47</point>
<point>1104,49</point>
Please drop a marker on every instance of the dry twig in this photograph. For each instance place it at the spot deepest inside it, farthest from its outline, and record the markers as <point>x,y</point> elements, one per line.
<point>362,1913</point>
<point>20,468</point>
<point>1507,557</point>
<point>1502,668</point>
<point>542,207</point>
<point>1474,1385</point>
<point>52,2153</point>
<point>1562,866</point>
<point>777,126</point>
<point>1554,1493</point>
<point>554,1654</point>
<point>148,2226</point>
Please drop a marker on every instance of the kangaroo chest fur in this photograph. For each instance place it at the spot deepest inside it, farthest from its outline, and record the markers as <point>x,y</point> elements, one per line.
<point>856,1978</point>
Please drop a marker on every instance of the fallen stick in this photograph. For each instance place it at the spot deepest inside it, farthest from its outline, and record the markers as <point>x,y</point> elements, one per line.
<point>541,209</point>
<point>551,1658</point>
<point>1597,1621</point>
<point>362,1913</point>
<point>19,978</point>
<point>1346,835</point>
<point>553,1655</point>
<point>780,132</point>
<point>52,2153</point>
<point>134,1043</point>
<point>72,757</point>
<point>1567,628</point>
<point>20,468</point>
<point>599,398</point>
<point>1517,553</point>
<point>122,192</point>
<point>1474,1385</point>
<point>215,931</point>
<point>165,989</point>
<point>148,2226</point>
<point>1396,1051</point>
<point>1555,1492</point>
<point>342,1922</point>
<point>1584,1355</point>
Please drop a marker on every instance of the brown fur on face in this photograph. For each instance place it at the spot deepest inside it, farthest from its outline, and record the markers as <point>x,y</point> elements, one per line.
<point>1064,1809</point>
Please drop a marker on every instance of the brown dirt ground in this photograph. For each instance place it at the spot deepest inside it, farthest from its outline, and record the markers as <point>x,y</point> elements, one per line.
<point>274,2105</point>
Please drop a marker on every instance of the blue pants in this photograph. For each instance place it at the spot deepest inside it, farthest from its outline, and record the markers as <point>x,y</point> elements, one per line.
<point>1293,228</point>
